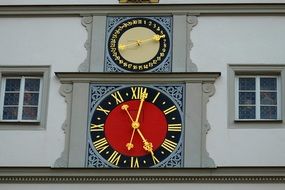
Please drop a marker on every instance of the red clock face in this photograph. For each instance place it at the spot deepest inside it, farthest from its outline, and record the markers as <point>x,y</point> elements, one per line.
<point>153,126</point>
<point>135,126</point>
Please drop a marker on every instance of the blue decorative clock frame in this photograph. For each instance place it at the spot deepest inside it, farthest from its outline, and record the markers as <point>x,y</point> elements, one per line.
<point>113,22</point>
<point>98,92</point>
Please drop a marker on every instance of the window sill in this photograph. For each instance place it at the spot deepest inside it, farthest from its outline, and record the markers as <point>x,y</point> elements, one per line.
<point>20,122</point>
<point>17,125</point>
<point>259,121</point>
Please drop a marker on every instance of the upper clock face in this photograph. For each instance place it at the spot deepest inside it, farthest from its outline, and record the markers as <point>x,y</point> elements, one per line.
<point>136,127</point>
<point>139,44</point>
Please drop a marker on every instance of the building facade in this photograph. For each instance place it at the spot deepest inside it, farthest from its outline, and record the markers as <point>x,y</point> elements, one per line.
<point>211,74</point>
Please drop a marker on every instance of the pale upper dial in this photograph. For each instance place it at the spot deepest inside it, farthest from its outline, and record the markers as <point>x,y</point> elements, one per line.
<point>137,45</point>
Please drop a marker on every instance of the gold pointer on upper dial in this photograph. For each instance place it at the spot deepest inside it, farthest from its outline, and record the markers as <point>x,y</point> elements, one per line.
<point>155,38</point>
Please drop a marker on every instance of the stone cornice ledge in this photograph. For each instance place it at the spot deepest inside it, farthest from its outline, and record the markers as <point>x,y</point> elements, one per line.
<point>193,9</point>
<point>67,77</point>
<point>186,175</point>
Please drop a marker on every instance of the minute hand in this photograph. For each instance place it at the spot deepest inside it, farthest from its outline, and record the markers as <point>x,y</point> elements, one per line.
<point>148,147</point>
<point>143,97</point>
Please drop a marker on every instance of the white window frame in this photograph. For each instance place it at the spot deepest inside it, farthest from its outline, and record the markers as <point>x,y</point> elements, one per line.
<point>257,96</point>
<point>271,69</point>
<point>21,98</point>
<point>31,71</point>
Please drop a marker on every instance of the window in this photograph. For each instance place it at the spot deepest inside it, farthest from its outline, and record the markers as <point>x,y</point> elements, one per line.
<point>255,94</point>
<point>257,98</point>
<point>23,96</point>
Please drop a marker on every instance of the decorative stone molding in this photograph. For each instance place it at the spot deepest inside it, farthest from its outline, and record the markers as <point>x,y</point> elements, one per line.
<point>138,1</point>
<point>86,176</point>
<point>86,21</point>
<point>208,91</point>
<point>197,9</point>
<point>191,22</point>
<point>65,91</point>
<point>143,179</point>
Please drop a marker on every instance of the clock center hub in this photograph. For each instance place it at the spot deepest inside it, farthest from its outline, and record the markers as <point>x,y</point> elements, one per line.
<point>135,125</point>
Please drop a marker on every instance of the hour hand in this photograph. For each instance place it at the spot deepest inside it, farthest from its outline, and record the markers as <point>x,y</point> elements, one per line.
<point>125,107</point>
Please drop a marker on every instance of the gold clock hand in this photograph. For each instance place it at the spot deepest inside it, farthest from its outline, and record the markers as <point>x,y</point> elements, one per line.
<point>125,107</point>
<point>143,97</point>
<point>148,147</point>
<point>135,124</point>
<point>124,46</point>
<point>155,37</point>
<point>129,145</point>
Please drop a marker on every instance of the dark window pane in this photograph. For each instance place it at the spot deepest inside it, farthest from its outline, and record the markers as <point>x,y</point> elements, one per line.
<point>32,85</point>
<point>268,112</point>
<point>268,98</point>
<point>247,98</point>
<point>10,113</point>
<point>247,112</point>
<point>13,84</point>
<point>246,83</point>
<point>11,99</point>
<point>268,83</point>
<point>31,99</point>
<point>30,113</point>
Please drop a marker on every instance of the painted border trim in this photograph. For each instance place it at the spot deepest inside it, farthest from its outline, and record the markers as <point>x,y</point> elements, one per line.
<point>270,175</point>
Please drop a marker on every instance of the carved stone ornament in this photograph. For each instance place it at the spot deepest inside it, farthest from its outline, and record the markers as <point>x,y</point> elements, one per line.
<point>208,91</point>
<point>191,22</point>
<point>65,91</point>
<point>87,23</point>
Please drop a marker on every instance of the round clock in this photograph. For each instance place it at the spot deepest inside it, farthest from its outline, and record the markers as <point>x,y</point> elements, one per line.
<point>136,127</point>
<point>138,44</point>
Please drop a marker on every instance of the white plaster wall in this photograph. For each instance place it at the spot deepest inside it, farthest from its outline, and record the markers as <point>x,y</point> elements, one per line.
<point>222,40</point>
<point>218,41</point>
<point>55,41</point>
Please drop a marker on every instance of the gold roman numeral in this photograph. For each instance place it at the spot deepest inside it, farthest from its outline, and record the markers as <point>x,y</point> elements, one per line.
<point>174,127</point>
<point>95,127</point>
<point>139,92</point>
<point>155,97</point>
<point>169,145</point>
<point>115,158</point>
<point>134,162</point>
<point>169,110</point>
<point>101,145</point>
<point>155,160</point>
<point>117,97</point>
<point>99,108</point>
